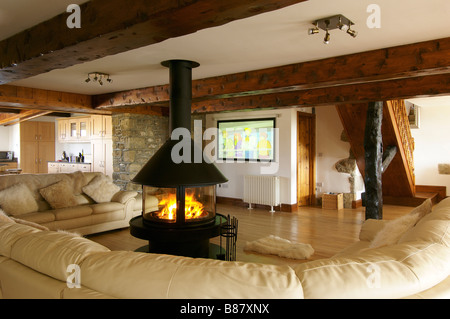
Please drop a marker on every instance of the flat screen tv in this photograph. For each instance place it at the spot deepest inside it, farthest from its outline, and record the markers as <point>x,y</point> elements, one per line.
<point>248,140</point>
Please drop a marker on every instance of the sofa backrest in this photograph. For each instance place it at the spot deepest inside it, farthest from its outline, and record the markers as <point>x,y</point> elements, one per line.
<point>37,181</point>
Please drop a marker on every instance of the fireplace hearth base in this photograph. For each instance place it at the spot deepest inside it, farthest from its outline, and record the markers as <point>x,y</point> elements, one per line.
<point>188,241</point>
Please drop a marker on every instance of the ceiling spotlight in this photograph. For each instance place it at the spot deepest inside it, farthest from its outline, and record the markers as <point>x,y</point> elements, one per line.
<point>326,40</point>
<point>335,22</point>
<point>98,77</point>
<point>353,33</point>
<point>314,30</point>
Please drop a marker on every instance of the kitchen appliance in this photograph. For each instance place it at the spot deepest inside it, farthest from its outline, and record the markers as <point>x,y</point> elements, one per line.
<point>6,155</point>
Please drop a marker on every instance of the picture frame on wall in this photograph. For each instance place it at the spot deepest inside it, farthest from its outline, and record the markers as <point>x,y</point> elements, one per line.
<point>414,116</point>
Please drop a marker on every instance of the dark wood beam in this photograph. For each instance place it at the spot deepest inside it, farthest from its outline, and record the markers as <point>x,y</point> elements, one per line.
<point>430,58</point>
<point>426,86</point>
<point>114,26</point>
<point>45,100</point>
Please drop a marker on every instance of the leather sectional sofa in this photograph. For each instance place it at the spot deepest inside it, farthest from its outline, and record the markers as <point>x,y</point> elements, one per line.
<point>405,258</point>
<point>81,202</point>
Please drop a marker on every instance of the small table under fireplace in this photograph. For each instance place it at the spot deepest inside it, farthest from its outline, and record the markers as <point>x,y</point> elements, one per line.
<point>185,241</point>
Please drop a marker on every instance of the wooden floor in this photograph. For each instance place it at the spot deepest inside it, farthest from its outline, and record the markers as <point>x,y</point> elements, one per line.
<point>327,231</point>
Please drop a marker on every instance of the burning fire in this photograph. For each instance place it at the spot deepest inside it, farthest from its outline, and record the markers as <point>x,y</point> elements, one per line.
<point>193,209</point>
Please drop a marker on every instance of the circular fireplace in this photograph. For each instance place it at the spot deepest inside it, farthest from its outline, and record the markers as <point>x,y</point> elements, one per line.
<point>179,206</point>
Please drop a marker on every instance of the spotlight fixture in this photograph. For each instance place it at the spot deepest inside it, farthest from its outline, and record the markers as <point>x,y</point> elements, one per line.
<point>98,77</point>
<point>335,22</point>
<point>326,40</point>
<point>314,30</point>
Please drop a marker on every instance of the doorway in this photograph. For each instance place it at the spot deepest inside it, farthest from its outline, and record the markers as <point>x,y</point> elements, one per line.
<point>306,158</point>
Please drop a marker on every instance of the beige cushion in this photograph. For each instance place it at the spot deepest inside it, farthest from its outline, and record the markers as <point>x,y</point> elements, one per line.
<point>103,208</point>
<point>28,223</point>
<point>5,218</point>
<point>101,189</point>
<point>51,252</point>
<point>18,200</point>
<point>59,195</point>
<point>39,217</point>
<point>72,212</point>
<point>10,233</point>
<point>142,275</point>
<point>393,230</point>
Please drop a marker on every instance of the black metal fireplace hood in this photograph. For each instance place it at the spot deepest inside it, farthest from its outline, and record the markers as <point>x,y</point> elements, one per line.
<point>161,170</point>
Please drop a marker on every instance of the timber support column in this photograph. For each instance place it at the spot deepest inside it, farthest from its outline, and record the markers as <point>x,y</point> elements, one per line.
<point>373,147</point>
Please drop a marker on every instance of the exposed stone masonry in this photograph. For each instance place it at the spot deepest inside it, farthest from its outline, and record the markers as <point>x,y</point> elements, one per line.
<point>136,138</point>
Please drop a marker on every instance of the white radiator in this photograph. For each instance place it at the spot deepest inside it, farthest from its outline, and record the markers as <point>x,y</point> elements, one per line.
<point>264,190</point>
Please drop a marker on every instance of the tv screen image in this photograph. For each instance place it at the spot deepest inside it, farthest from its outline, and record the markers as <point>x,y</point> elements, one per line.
<point>249,140</point>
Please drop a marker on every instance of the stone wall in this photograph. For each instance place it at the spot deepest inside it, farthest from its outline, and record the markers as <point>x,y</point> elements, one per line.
<point>136,138</point>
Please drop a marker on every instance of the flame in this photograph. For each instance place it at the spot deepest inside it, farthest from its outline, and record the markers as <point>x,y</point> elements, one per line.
<point>193,209</point>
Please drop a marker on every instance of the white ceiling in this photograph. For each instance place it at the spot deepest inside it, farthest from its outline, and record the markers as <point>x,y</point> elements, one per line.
<point>267,40</point>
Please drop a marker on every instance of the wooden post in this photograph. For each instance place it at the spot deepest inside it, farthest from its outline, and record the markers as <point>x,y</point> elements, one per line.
<point>373,147</point>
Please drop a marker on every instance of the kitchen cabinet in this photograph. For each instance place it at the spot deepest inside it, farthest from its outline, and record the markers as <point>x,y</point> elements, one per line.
<point>82,129</point>
<point>78,129</point>
<point>68,167</point>
<point>101,126</point>
<point>37,146</point>
<point>102,156</point>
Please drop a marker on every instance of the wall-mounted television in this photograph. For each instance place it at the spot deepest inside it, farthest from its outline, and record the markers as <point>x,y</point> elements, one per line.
<point>249,139</point>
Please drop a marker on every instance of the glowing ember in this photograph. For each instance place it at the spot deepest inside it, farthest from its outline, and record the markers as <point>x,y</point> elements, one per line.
<point>193,208</point>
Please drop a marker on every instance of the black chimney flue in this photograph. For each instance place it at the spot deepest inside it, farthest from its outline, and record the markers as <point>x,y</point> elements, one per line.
<point>180,78</point>
<point>161,170</point>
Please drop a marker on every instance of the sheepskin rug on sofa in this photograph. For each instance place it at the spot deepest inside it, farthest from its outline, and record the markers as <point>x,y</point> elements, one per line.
<point>274,245</point>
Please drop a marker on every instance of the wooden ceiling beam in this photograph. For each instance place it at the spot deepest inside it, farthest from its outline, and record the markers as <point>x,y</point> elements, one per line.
<point>401,62</point>
<point>414,87</point>
<point>46,100</point>
<point>114,26</point>
<point>24,115</point>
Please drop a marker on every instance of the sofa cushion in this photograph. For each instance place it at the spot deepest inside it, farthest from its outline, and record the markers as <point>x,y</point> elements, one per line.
<point>52,252</point>
<point>5,218</point>
<point>18,200</point>
<point>10,233</point>
<point>103,208</point>
<point>393,230</point>
<point>39,217</point>
<point>434,227</point>
<point>178,277</point>
<point>72,212</point>
<point>101,189</point>
<point>59,195</point>
<point>394,271</point>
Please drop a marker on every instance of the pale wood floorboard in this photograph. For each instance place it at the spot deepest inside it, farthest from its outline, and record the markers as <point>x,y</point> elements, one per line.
<point>327,231</point>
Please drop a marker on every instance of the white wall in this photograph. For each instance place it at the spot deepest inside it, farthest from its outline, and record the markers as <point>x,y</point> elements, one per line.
<point>432,145</point>
<point>329,150</point>
<point>286,155</point>
<point>4,138</point>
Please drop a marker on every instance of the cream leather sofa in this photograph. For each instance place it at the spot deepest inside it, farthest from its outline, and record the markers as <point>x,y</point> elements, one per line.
<point>60,202</point>
<point>48,264</point>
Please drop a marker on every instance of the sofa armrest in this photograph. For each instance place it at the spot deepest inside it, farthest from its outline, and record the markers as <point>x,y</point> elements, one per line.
<point>370,228</point>
<point>123,196</point>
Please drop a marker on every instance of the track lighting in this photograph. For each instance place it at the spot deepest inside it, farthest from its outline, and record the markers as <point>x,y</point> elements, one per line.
<point>313,30</point>
<point>98,77</point>
<point>326,40</point>
<point>353,33</point>
<point>335,22</point>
